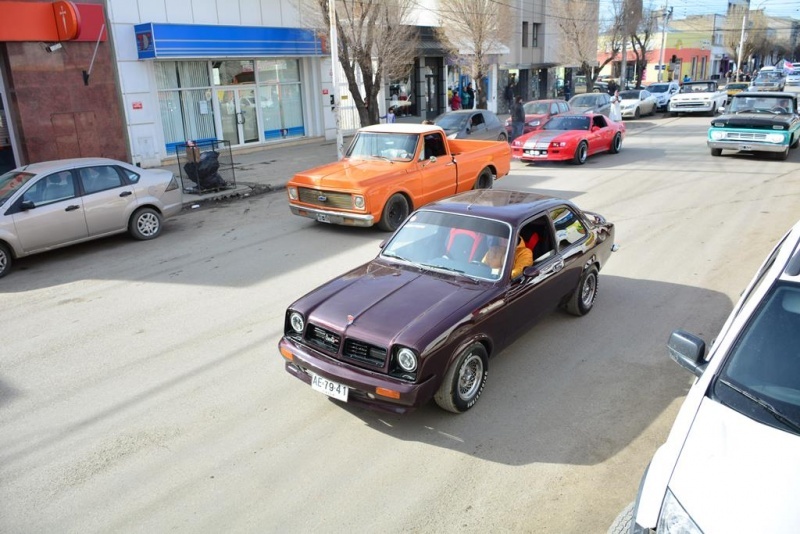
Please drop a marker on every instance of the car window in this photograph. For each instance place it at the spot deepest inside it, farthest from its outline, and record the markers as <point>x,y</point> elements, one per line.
<point>51,188</point>
<point>130,175</point>
<point>563,107</point>
<point>477,120</point>
<point>10,182</point>
<point>568,226</point>
<point>599,121</point>
<point>99,178</point>
<point>554,108</point>
<point>434,146</point>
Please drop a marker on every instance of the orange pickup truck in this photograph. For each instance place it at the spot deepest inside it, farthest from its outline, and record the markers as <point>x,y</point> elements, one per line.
<point>390,170</point>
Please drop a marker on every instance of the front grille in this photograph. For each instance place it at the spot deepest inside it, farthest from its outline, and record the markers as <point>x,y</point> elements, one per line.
<point>688,104</point>
<point>325,339</point>
<point>745,136</point>
<point>326,199</point>
<point>364,353</point>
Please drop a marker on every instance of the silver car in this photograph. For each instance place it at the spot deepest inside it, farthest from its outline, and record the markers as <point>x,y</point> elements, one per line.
<point>472,124</point>
<point>52,204</point>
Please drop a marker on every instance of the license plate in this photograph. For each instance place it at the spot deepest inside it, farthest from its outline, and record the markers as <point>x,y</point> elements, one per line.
<point>322,217</point>
<point>536,153</point>
<point>329,387</point>
<point>745,147</point>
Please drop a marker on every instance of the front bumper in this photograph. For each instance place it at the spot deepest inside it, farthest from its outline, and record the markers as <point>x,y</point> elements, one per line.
<point>333,217</point>
<point>756,146</point>
<point>362,383</point>
<point>690,107</point>
<point>628,113</point>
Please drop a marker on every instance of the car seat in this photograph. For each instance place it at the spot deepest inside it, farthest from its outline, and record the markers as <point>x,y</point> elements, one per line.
<point>463,245</point>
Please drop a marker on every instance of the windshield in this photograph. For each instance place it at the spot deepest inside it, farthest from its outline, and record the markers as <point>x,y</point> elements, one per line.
<point>536,108</point>
<point>697,88</point>
<point>775,105</point>
<point>583,101</point>
<point>764,365</point>
<point>391,146</point>
<point>629,95</point>
<point>452,121</point>
<point>768,77</point>
<point>10,182</point>
<point>658,88</point>
<point>567,123</point>
<point>446,242</point>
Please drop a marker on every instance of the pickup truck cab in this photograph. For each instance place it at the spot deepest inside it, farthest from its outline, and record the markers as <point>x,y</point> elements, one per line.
<point>698,97</point>
<point>390,170</point>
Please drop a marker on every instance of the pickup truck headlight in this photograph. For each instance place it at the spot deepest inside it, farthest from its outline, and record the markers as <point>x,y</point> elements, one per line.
<point>292,193</point>
<point>673,519</point>
<point>775,138</point>
<point>358,202</point>
<point>716,135</point>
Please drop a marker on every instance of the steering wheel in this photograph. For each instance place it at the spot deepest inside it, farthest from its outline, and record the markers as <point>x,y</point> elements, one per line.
<point>779,110</point>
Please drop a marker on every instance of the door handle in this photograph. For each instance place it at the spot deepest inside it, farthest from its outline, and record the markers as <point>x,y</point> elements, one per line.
<point>125,194</point>
<point>240,118</point>
<point>71,208</point>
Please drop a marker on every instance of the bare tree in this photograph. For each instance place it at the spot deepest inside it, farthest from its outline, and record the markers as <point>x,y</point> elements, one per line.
<point>640,41</point>
<point>472,30</point>
<point>577,21</point>
<point>755,34</point>
<point>376,42</point>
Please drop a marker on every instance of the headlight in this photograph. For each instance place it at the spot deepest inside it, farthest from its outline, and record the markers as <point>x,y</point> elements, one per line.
<point>534,123</point>
<point>407,360</point>
<point>716,135</point>
<point>292,193</point>
<point>558,144</point>
<point>775,138</point>
<point>673,519</point>
<point>296,321</point>
<point>358,202</point>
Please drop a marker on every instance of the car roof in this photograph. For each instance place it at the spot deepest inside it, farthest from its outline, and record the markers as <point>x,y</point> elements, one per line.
<point>60,164</point>
<point>512,207</point>
<point>467,111</point>
<point>401,127</point>
<point>774,94</point>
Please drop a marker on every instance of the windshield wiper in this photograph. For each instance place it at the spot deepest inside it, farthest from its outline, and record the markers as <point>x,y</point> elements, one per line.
<point>764,404</point>
<point>381,157</point>
<point>396,257</point>
<point>449,269</point>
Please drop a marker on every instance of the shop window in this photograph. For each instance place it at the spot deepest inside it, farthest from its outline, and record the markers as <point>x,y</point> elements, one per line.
<point>234,72</point>
<point>278,70</point>
<point>524,34</point>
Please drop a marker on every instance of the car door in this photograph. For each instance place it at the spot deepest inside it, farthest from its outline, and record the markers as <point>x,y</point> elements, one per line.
<point>571,237</point>
<point>108,201</point>
<point>437,170</point>
<point>600,135</point>
<point>49,213</point>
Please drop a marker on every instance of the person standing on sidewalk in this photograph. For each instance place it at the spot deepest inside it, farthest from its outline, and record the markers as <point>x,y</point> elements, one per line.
<point>517,119</point>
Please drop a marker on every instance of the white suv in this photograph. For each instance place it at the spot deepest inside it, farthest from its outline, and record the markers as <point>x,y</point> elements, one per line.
<point>731,462</point>
<point>663,91</point>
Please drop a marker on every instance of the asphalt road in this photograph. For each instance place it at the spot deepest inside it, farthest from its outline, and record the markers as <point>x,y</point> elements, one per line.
<point>141,389</point>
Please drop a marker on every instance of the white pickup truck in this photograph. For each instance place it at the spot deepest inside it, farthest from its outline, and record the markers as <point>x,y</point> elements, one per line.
<point>698,97</point>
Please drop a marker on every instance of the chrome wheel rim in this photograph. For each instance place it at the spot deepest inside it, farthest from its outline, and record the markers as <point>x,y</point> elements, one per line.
<point>3,260</point>
<point>582,155</point>
<point>587,292</point>
<point>469,377</point>
<point>147,224</point>
<point>617,142</point>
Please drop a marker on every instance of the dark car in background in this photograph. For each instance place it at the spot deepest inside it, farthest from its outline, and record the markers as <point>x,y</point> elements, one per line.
<point>472,124</point>
<point>537,112</point>
<point>423,319</point>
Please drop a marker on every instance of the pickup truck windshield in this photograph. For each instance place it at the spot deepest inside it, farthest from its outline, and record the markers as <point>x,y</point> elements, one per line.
<point>698,88</point>
<point>391,146</point>
<point>775,105</point>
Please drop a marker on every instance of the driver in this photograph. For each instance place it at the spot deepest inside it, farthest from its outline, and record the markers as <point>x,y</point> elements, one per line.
<point>783,106</point>
<point>523,257</point>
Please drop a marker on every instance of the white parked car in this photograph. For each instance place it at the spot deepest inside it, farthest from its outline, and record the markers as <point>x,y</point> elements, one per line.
<point>663,92</point>
<point>637,103</point>
<point>731,462</point>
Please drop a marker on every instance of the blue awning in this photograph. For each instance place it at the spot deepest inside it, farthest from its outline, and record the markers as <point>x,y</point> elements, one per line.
<point>155,40</point>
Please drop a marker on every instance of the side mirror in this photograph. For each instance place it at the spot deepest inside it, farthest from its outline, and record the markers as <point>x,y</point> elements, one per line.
<point>688,351</point>
<point>27,205</point>
<point>531,272</point>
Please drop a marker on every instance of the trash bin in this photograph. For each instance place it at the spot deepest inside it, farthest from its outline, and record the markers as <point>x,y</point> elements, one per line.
<point>205,166</point>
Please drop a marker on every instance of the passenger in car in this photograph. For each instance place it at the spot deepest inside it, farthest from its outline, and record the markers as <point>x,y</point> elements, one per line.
<point>523,257</point>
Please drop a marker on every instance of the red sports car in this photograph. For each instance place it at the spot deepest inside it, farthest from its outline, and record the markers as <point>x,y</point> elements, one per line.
<point>570,137</point>
<point>537,112</point>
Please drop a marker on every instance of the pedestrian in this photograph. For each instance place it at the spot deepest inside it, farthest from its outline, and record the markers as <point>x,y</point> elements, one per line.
<point>509,95</point>
<point>612,87</point>
<point>468,98</point>
<point>567,90</point>
<point>517,119</point>
<point>687,78</point>
<point>390,117</point>
<point>616,107</point>
<point>455,102</point>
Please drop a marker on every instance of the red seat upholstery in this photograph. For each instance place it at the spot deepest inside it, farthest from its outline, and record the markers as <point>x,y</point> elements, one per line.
<point>532,240</point>
<point>463,244</point>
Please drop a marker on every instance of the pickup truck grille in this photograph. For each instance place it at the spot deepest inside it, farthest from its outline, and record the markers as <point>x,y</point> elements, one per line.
<point>745,136</point>
<point>364,353</point>
<point>326,199</point>
<point>689,104</point>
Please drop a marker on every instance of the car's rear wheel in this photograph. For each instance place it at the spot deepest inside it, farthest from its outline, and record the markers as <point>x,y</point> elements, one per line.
<point>5,260</point>
<point>616,143</point>
<point>716,152</point>
<point>394,213</point>
<point>502,137</point>
<point>581,153</point>
<point>464,381</point>
<point>145,224</point>
<point>485,180</point>
<point>582,300</point>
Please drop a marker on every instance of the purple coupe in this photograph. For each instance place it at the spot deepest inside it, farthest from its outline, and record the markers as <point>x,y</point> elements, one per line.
<point>422,319</point>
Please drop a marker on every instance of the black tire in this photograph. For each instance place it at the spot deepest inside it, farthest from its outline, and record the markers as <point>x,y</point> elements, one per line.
<point>713,110</point>
<point>623,522</point>
<point>581,153</point>
<point>5,260</point>
<point>502,137</point>
<point>637,114</point>
<point>464,381</point>
<point>716,152</point>
<point>616,144</point>
<point>582,300</point>
<point>783,156</point>
<point>795,143</point>
<point>485,180</point>
<point>145,223</point>
<point>394,213</point>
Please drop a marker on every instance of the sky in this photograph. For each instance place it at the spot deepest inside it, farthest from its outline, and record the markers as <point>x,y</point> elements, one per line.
<point>683,8</point>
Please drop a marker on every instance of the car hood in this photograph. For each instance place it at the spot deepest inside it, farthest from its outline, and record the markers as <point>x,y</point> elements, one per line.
<point>349,174</point>
<point>529,118</point>
<point>545,136</point>
<point>385,304</point>
<point>753,120</point>
<point>582,109</point>
<point>735,474</point>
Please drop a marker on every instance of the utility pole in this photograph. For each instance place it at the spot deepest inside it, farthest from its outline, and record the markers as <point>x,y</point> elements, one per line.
<point>741,42</point>
<point>661,68</point>
<point>335,78</point>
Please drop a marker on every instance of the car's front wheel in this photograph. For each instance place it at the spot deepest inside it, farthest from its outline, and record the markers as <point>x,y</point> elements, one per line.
<point>796,142</point>
<point>394,213</point>
<point>637,114</point>
<point>464,380</point>
<point>623,522</point>
<point>145,224</point>
<point>581,153</point>
<point>783,155</point>
<point>582,300</point>
<point>716,152</point>
<point>5,260</point>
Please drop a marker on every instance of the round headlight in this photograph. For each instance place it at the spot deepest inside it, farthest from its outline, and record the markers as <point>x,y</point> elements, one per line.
<point>296,320</point>
<point>358,202</point>
<point>407,360</point>
<point>292,192</point>
<point>775,138</point>
<point>716,135</point>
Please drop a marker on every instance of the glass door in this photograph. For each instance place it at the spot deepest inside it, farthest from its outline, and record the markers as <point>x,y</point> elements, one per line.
<point>238,117</point>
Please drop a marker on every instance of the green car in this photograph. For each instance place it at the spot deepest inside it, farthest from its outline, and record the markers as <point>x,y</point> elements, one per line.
<point>757,122</point>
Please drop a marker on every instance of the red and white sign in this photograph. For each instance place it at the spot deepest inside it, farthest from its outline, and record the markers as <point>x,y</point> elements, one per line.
<point>137,105</point>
